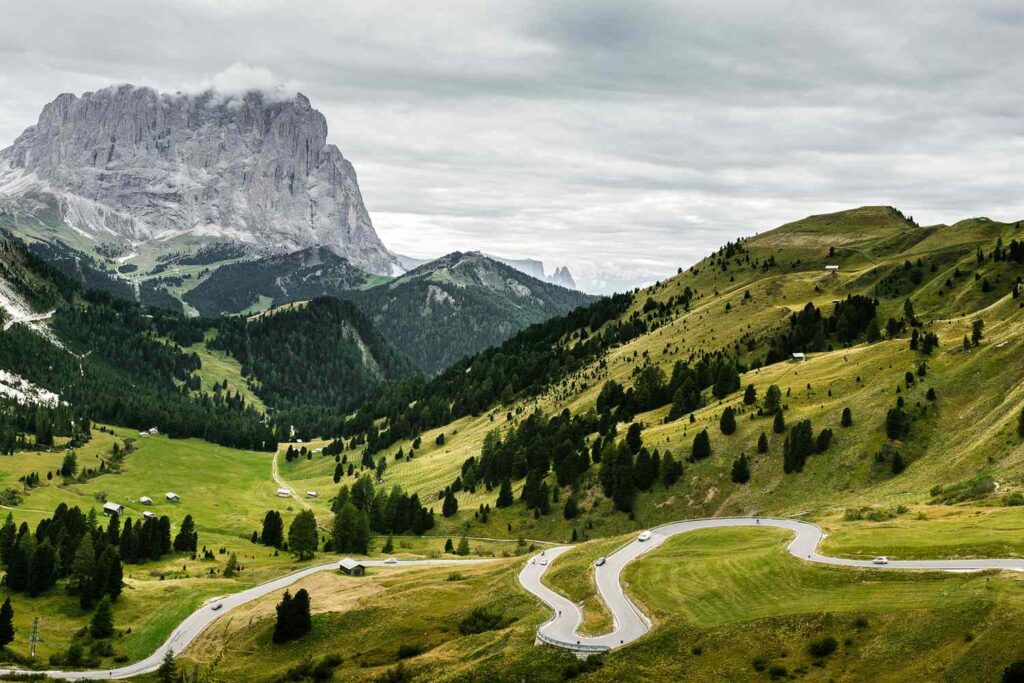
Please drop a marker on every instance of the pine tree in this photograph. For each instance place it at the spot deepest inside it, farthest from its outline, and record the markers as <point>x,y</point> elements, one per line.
<point>645,470</point>
<point>772,400</point>
<point>633,438</point>
<point>273,529</point>
<point>505,497</point>
<point>231,568</point>
<point>779,423</point>
<point>9,533</point>
<point>43,574</point>
<point>1020,425</point>
<point>847,418</point>
<point>83,571</point>
<point>701,446</point>
<point>977,331</point>
<point>571,509</point>
<point>671,469</point>
<point>283,627</point>
<point>450,505</point>
<point>741,470</point>
<point>168,671</point>
<point>187,539</point>
<point>762,443</point>
<point>727,423</point>
<point>302,620</point>
<point>750,395</point>
<point>463,548</point>
<point>6,623</point>
<point>302,536</point>
<point>389,546</point>
<point>109,574</point>
<point>449,547</point>
<point>102,623</point>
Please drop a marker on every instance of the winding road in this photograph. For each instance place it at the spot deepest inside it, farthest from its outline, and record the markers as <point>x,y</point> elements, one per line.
<point>631,623</point>
<point>199,620</point>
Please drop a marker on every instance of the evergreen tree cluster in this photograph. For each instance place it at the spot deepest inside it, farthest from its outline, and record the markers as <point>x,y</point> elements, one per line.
<point>293,617</point>
<point>809,330</point>
<point>68,545</point>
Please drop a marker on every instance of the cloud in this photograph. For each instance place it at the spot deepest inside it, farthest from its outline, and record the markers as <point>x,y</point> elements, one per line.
<point>240,79</point>
<point>624,140</point>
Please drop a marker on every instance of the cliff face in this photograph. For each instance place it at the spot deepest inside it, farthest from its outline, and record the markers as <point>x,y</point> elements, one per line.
<point>127,162</point>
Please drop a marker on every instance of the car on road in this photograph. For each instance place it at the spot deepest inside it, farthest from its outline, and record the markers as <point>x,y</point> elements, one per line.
<point>600,562</point>
<point>217,606</point>
<point>391,560</point>
<point>645,536</point>
<point>544,560</point>
<point>880,560</point>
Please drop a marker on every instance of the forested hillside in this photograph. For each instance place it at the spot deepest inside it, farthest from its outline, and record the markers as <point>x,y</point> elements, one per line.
<point>107,358</point>
<point>458,305</point>
<point>273,281</point>
<point>686,399</point>
<point>323,357</point>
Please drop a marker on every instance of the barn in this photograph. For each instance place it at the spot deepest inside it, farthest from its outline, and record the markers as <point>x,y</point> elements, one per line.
<point>351,567</point>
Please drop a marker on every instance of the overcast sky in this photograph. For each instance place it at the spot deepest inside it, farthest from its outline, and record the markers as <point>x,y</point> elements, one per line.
<point>624,139</point>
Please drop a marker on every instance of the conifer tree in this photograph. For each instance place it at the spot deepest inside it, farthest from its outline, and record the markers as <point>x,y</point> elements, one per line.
<point>671,469</point>
<point>727,423</point>
<point>450,505</point>
<point>701,446</point>
<point>302,536</point>
<point>779,423</point>
<point>750,395</point>
<point>168,671</point>
<point>6,623</point>
<point>741,470</point>
<point>571,509</point>
<point>187,539</point>
<point>762,443</point>
<point>505,493</point>
<point>463,548</point>
<point>102,623</point>
<point>847,418</point>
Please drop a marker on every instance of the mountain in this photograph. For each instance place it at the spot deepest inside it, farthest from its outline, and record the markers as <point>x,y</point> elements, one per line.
<point>909,384</point>
<point>532,267</point>
<point>133,172</point>
<point>274,280</point>
<point>459,304</point>
<point>107,360</point>
<point>323,353</point>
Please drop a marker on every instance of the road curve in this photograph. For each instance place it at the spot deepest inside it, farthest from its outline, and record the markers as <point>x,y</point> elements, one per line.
<point>199,620</point>
<point>630,623</point>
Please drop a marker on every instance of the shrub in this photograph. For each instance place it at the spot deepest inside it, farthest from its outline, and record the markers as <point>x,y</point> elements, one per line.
<point>407,650</point>
<point>480,620</point>
<point>823,647</point>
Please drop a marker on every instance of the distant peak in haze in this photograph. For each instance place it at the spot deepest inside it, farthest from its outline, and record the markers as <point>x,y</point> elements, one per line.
<point>532,267</point>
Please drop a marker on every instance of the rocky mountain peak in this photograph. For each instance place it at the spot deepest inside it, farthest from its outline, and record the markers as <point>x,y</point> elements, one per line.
<point>133,164</point>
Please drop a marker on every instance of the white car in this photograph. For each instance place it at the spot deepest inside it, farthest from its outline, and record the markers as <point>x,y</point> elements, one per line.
<point>880,560</point>
<point>600,562</point>
<point>544,560</point>
<point>391,560</point>
<point>217,606</point>
<point>645,536</point>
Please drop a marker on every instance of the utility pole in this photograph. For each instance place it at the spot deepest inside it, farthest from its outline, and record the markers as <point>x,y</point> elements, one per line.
<point>34,638</point>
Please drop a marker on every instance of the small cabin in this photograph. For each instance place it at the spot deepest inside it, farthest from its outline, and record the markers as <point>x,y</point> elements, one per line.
<point>172,497</point>
<point>143,434</point>
<point>799,357</point>
<point>113,509</point>
<point>832,268</point>
<point>351,567</point>
<point>145,500</point>
<point>148,514</point>
<point>284,493</point>
<point>311,494</point>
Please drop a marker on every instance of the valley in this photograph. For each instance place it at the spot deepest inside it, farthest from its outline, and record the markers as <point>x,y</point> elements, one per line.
<point>896,431</point>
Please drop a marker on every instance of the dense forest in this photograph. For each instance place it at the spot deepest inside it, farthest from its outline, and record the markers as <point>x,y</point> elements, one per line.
<point>299,276</point>
<point>458,305</point>
<point>110,363</point>
<point>323,357</point>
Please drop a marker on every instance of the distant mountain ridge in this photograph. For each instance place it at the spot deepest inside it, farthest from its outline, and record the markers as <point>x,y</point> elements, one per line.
<point>532,267</point>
